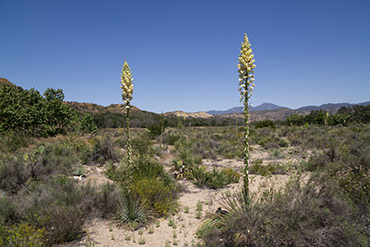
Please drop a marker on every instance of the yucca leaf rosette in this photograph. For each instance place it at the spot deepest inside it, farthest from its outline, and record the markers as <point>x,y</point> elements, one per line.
<point>246,81</point>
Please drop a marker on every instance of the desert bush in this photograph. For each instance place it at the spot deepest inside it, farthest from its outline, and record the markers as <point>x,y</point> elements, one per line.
<point>64,223</point>
<point>13,174</point>
<point>172,139</point>
<point>12,141</point>
<point>265,124</point>
<point>37,165</point>
<point>156,195</point>
<point>56,206</point>
<point>184,148</point>
<point>268,169</point>
<point>155,130</point>
<point>105,150</point>
<point>214,179</point>
<point>8,211</point>
<point>141,145</point>
<point>147,181</point>
<point>22,235</point>
<point>204,178</point>
<point>310,215</point>
<point>99,150</point>
<point>60,206</point>
<point>232,176</point>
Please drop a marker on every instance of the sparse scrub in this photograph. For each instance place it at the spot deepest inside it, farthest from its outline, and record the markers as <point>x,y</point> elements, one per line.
<point>39,165</point>
<point>289,223</point>
<point>334,198</point>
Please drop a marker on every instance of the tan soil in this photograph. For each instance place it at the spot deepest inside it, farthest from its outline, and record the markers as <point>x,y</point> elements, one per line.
<point>101,232</point>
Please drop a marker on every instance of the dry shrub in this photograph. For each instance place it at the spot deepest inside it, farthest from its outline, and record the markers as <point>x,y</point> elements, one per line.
<point>16,171</point>
<point>310,215</point>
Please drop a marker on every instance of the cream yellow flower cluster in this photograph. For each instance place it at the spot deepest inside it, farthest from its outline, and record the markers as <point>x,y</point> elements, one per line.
<point>246,70</point>
<point>127,85</point>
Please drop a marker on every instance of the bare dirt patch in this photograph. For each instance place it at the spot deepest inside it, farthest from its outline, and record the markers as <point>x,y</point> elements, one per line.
<point>182,232</point>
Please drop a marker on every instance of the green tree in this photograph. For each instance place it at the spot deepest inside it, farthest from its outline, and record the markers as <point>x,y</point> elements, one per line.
<point>295,119</point>
<point>58,115</point>
<point>87,123</point>
<point>246,82</point>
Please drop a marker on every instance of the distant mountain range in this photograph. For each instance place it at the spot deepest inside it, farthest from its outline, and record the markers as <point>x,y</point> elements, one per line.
<point>239,109</point>
<point>258,113</point>
<point>330,107</point>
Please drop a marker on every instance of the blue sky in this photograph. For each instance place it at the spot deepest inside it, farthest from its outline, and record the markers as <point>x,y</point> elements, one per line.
<point>184,53</point>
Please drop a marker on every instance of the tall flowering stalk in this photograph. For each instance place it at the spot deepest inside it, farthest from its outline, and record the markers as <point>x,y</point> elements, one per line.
<point>127,90</point>
<point>246,81</point>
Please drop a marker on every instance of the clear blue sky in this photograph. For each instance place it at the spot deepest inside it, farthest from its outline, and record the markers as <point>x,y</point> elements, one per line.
<point>184,53</point>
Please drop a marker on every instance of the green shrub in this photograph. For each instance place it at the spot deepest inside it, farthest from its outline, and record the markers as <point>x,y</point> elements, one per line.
<point>12,141</point>
<point>232,176</point>
<point>155,130</point>
<point>148,182</point>
<point>141,145</point>
<point>214,179</point>
<point>8,210</point>
<point>172,139</point>
<point>156,194</point>
<point>265,124</point>
<point>22,235</point>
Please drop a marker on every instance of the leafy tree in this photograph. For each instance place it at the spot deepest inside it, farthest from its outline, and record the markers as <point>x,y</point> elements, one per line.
<point>316,117</point>
<point>29,112</point>
<point>87,123</point>
<point>57,114</point>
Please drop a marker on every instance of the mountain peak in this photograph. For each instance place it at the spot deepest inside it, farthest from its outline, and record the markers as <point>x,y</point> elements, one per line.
<point>239,109</point>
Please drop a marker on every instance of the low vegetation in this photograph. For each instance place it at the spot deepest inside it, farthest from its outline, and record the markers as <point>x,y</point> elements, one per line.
<point>330,209</point>
<point>47,149</point>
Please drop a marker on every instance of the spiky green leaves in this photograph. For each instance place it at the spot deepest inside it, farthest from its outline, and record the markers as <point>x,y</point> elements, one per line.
<point>126,84</point>
<point>246,70</point>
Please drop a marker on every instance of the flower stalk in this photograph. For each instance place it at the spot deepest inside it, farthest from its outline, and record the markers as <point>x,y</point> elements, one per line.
<point>127,90</point>
<point>246,82</point>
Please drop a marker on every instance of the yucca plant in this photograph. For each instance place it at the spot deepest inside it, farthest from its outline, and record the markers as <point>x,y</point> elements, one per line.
<point>246,81</point>
<point>132,213</point>
<point>127,90</point>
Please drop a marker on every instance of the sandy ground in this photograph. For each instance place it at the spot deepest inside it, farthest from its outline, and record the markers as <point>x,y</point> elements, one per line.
<point>100,232</point>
